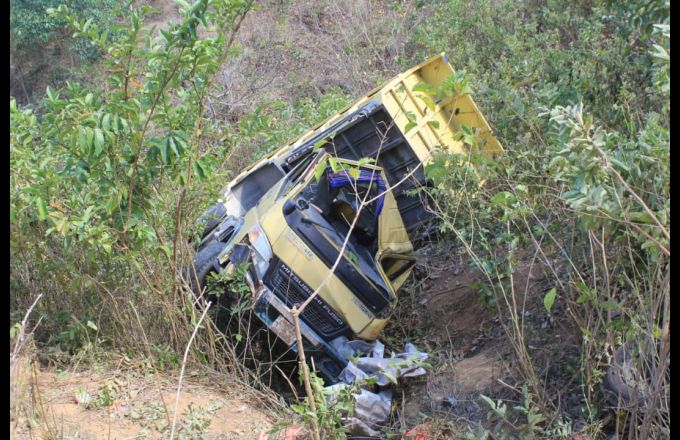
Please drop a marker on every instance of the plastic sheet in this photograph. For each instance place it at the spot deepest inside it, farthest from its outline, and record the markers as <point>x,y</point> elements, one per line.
<point>373,374</point>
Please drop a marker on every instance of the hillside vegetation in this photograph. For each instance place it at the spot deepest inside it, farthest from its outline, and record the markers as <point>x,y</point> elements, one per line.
<point>562,243</point>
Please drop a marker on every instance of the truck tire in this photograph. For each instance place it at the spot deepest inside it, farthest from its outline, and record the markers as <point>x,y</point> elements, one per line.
<point>205,262</point>
<point>211,218</point>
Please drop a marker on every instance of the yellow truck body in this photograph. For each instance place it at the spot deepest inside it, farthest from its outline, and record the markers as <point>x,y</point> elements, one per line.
<point>288,215</point>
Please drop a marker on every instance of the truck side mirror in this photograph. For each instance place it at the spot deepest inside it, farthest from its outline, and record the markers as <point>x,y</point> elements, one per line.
<point>288,207</point>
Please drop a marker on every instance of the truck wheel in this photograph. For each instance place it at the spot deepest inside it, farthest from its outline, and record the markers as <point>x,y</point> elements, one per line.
<point>211,218</point>
<point>204,264</point>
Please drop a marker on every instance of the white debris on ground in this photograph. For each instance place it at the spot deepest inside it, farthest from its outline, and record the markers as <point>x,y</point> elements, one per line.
<point>374,374</point>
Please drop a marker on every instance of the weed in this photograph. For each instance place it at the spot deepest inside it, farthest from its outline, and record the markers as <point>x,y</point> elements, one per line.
<point>519,421</point>
<point>332,407</point>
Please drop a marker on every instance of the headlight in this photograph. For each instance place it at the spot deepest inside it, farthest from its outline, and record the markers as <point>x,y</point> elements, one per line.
<point>262,250</point>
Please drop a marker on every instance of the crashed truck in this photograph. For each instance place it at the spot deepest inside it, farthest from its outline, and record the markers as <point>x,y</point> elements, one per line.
<point>289,215</point>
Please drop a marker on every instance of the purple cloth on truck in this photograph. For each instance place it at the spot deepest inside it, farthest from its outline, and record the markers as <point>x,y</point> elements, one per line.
<point>366,177</point>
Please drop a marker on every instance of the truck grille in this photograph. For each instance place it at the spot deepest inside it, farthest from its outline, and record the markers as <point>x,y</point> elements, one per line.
<point>291,289</point>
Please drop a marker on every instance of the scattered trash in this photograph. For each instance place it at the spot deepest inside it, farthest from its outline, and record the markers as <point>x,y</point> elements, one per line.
<point>374,373</point>
<point>292,432</point>
<point>120,409</point>
<point>418,432</point>
<point>82,398</point>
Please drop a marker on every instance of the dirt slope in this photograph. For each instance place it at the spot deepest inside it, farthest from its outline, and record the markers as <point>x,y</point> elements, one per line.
<point>126,405</point>
<point>471,353</point>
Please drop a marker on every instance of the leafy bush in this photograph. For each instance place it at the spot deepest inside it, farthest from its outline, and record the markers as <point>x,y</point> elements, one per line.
<point>579,96</point>
<point>102,177</point>
<point>31,25</point>
<point>43,49</point>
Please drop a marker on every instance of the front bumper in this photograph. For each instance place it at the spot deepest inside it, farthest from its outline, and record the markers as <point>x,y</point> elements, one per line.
<point>275,292</point>
<point>274,313</point>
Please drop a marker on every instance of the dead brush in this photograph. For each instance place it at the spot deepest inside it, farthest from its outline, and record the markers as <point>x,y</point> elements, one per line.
<point>27,408</point>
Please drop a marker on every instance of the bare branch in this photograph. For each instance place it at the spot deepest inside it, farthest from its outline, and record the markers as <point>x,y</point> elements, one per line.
<point>184,364</point>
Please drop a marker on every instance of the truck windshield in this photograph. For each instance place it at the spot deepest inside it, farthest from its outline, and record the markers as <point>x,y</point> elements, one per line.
<point>249,191</point>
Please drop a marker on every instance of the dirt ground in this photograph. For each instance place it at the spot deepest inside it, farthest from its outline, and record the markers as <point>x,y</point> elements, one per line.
<point>167,11</point>
<point>126,405</point>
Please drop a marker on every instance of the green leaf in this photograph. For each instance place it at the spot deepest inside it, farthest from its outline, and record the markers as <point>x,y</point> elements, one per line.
<point>300,409</point>
<point>661,53</point>
<point>83,139</point>
<point>436,172</point>
<point>173,145</point>
<point>14,330</point>
<point>504,199</point>
<point>166,250</point>
<point>319,170</point>
<point>390,377</point>
<point>98,141</point>
<point>609,305</point>
<point>42,208</point>
<point>466,90</point>
<point>428,102</point>
<point>165,150</point>
<point>488,401</point>
<point>167,35</point>
<point>106,122</point>
<point>409,126</point>
<point>335,165</point>
<point>657,332</point>
<point>642,217</point>
<point>365,160</point>
<point>619,164</point>
<point>90,139</point>
<point>425,88</point>
<point>92,326</point>
<point>549,299</point>
<point>198,169</point>
<point>320,143</point>
<point>584,297</point>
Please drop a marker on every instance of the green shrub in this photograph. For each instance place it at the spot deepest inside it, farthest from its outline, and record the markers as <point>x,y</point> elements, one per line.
<point>101,179</point>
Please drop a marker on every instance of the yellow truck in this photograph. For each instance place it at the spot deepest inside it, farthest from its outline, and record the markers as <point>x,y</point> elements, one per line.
<point>341,195</point>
